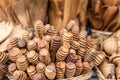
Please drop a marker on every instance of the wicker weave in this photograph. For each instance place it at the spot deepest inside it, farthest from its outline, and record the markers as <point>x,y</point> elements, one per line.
<point>99,74</point>
<point>81,77</point>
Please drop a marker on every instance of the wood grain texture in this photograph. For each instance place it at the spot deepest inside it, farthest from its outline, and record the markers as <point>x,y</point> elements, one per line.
<point>70,11</point>
<point>83,13</point>
<point>38,9</point>
<point>56,13</point>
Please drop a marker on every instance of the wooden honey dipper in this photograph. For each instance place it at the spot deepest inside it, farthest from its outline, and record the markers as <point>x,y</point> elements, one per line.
<point>60,69</point>
<point>4,68</point>
<point>12,67</point>
<point>70,69</point>
<point>89,56</point>
<point>82,51</point>
<point>62,53</point>
<point>75,45</point>
<point>31,71</point>
<point>22,63</point>
<point>47,26</point>
<point>72,57</point>
<point>50,71</point>
<point>70,25</point>
<point>14,53</point>
<point>39,28</point>
<point>31,45</point>
<point>83,34</point>
<point>32,57</point>
<point>13,42</point>
<point>36,39</point>
<point>19,75</point>
<point>31,33</point>
<point>62,31</point>
<point>3,58</point>
<point>83,42</point>
<point>67,37</point>
<point>23,51</point>
<point>27,36</point>
<point>44,56</point>
<point>39,76</point>
<point>55,45</point>
<point>79,67</point>
<point>90,44</point>
<point>48,38</point>
<point>86,67</point>
<point>50,31</point>
<point>75,32</point>
<point>43,44</point>
<point>22,43</point>
<point>40,67</point>
<point>99,58</point>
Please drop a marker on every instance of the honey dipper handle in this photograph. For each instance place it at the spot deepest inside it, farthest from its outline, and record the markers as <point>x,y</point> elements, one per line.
<point>53,56</point>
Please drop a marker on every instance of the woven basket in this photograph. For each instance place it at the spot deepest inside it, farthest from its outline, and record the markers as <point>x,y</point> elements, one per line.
<point>80,77</point>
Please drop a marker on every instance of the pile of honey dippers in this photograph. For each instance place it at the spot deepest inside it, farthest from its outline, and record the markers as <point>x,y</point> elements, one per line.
<point>55,43</point>
<point>43,54</point>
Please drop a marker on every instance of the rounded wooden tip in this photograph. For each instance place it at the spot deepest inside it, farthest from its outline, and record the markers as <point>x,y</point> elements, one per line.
<point>76,43</point>
<point>14,52</point>
<point>68,34</point>
<point>12,67</point>
<point>86,64</point>
<point>70,65</point>
<point>56,38</point>
<point>82,49</point>
<point>36,39</point>
<point>14,39</point>
<point>38,23</point>
<point>40,65</point>
<point>73,56</point>
<point>21,43</point>
<point>31,69</point>
<point>43,44</point>
<point>72,51</point>
<point>66,44</point>
<point>31,54</point>
<point>16,75</point>
<point>44,52</point>
<point>50,71</point>
<point>21,59</point>
<point>64,49</point>
<point>50,68</point>
<point>31,43</point>
<point>24,51</point>
<point>47,38</point>
<point>61,64</point>
<point>19,75</point>
<point>39,76</point>
<point>79,63</point>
